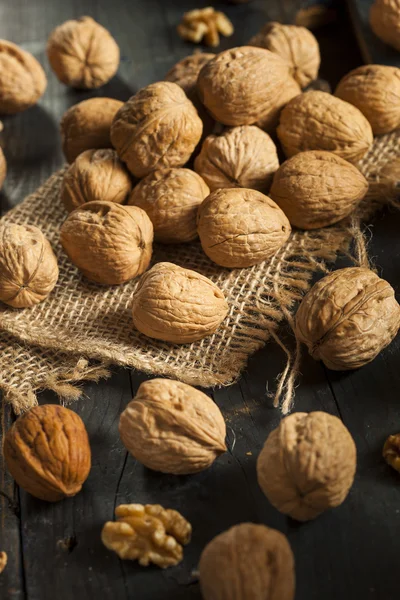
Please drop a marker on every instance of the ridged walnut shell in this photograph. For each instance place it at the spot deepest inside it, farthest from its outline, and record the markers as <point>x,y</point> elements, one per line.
<point>173,428</point>
<point>47,452</point>
<point>316,188</point>
<point>375,91</point>
<point>240,227</point>
<point>307,465</point>
<point>177,305</point>
<point>384,19</point>
<point>109,243</point>
<point>28,266</point>
<point>158,127</point>
<point>347,318</point>
<point>248,562</point>
<point>318,121</point>
<point>171,197</point>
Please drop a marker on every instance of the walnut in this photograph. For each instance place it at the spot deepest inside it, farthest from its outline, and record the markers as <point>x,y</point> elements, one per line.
<point>173,428</point>
<point>307,465</point>
<point>384,19</point>
<point>391,451</point>
<point>296,45</point>
<point>109,243</point>
<point>248,562</point>
<point>47,452</point>
<point>318,121</point>
<point>3,561</point>
<point>347,318</point>
<point>375,91</point>
<point>148,534</point>
<point>171,197</point>
<point>243,156</point>
<point>82,53</point>
<point>158,127</point>
<point>95,175</point>
<point>241,227</point>
<point>205,24</point>
<point>166,305</point>
<point>86,126</point>
<point>22,79</point>
<point>316,188</point>
<point>3,168</point>
<point>28,266</point>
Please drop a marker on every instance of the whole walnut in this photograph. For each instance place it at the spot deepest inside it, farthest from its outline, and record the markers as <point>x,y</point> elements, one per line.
<point>95,175</point>
<point>173,428</point>
<point>243,156</point>
<point>28,266</point>
<point>177,305</point>
<point>316,188</point>
<point>384,18</point>
<point>82,53</point>
<point>307,465</point>
<point>22,79</point>
<point>240,227</point>
<point>347,318</point>
<point>296,45</point>
<point>318,121</point>
<point>158,127</point>
<point>3,168</point>
<point>47,452</point>
<point>248,562</point>
<point>375,91</point>
<point>171,197</point>
<point>86,126</point>
<point>109,243</point>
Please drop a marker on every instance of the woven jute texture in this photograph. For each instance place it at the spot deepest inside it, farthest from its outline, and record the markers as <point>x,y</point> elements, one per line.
<point>82,328</point>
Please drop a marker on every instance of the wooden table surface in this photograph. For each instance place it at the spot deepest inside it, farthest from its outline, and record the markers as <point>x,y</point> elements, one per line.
<point>54,550</point>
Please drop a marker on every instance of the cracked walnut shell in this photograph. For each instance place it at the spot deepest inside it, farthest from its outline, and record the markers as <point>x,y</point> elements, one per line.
<point>384,19</point>
<point>307,465</point>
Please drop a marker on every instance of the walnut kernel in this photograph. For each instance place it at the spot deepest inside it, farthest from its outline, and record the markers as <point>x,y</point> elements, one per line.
<point>3,561</point>
<point>206,25</point>
<point>391,451</point>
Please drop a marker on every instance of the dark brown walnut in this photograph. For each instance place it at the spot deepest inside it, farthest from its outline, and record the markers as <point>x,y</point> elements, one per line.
<point>109,243</point>
<point>82,53</point>
<point>307,465</point>
<point>47,452</point>
<point>173,428</point>
<point>248,562</point>
<point>391,451</point>
<point>347,318</point>
<point>158,127</point>
<point>3,168</point>
<point>384,19</point>
<point>22,79</point>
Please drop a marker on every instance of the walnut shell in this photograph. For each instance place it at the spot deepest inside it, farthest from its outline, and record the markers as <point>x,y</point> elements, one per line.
<point>384,19</point>
<point>316,188</point>
<point>307,465</point>
<point>375,91</point>
<point>47,452</point>
<point>347,318</point>
<point>171,197</point>
<point>28,266</point>
<point>3,168</point>
<point>173,428</point>
<point>241,227</point>
<point>243,156</point>
<point>177,305</point>
<point>248,562</point>
<point>22,79</point>
<point>158,127</point>
<point>296,45</point>
<point>82,53</point>
<point>318,121</point>
<point>95,175</point>
<point>109,243</point>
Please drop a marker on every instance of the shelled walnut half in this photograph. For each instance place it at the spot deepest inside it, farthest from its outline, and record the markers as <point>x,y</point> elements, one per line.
<point>391,451</point>
<point>3,561</point>
<point>206,25</point>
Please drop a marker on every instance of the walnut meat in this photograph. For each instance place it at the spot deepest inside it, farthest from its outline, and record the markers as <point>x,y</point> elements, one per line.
<point>173,428</point>
<point>248,562</point>
<point>3,561</point>
<point>109,243</point>
<point>3,168</point>
<point>384,18</point>
<point>167,306</point>
<point>347,318</point>
<point>82,53</point>
<point>241,227</point>
<point>171,197</point>
<point>47,452</point>
<point>307,465</point>
<point>391,451</point>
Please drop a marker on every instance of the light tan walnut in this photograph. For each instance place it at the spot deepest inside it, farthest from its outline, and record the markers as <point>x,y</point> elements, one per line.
<point>3,561</point>
<point>205,24</point>
<point>3,168</point>
<point>173,428</point>
<point>307,465</point>
<point>384,18</point>
<point>177,305</point>
<point>171,197</point>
